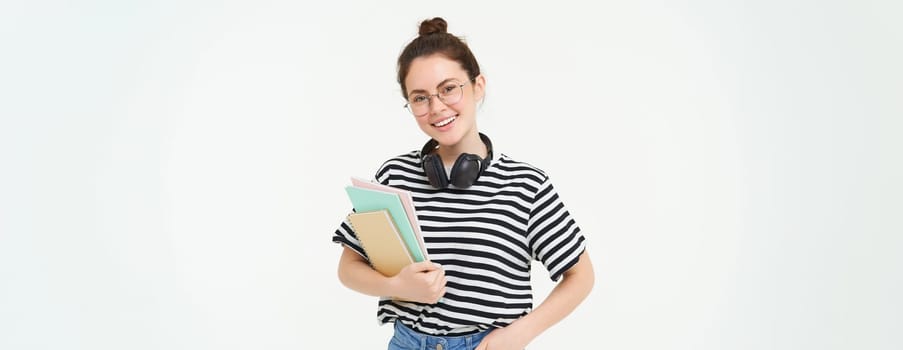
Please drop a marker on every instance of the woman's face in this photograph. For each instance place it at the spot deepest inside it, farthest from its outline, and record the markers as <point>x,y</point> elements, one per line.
<point>436,74</point>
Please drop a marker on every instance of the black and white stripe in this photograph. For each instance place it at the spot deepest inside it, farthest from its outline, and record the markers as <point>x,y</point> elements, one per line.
<point>485,237</point>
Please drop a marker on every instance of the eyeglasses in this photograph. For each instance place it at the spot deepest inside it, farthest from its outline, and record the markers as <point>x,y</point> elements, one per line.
<point>450,93</point>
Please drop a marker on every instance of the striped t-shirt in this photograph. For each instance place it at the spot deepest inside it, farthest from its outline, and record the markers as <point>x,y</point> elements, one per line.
<point>485,237</point>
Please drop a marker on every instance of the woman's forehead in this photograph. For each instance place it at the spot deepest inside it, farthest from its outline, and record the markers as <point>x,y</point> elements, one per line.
<point>430,71</point>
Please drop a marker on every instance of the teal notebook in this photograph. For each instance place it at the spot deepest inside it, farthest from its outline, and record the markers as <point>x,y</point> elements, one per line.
<point>368,200</point>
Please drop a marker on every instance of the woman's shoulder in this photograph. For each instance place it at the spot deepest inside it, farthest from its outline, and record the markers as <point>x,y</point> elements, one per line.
<point>406,162</point>
<point>508,166</point>
<point>409,157</point>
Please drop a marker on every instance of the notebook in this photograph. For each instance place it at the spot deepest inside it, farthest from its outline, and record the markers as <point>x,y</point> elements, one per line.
<point>406,200</point>
<point>381,240</point>
<point>364,199</point>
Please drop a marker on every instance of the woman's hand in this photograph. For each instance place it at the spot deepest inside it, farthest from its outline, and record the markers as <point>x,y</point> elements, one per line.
<point>503,339</point>
<point>423,282</point>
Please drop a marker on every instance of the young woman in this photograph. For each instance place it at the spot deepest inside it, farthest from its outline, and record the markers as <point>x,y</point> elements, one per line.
<point>484,217</point>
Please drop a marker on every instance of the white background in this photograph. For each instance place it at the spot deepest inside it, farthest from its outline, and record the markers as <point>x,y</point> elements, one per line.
<point>172,172</point>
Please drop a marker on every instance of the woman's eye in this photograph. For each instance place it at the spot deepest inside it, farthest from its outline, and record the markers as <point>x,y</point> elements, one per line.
<point>449,89</point>
<point>418,99</point>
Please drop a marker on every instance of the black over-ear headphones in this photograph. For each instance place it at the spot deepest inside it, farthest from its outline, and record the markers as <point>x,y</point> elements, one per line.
<point>464,172</point>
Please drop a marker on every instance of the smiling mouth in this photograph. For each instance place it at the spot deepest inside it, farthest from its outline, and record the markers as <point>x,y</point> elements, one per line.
<point>445,121</point>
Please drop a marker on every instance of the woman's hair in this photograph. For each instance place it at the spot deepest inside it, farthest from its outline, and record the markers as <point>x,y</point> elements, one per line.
<point>434,39</point>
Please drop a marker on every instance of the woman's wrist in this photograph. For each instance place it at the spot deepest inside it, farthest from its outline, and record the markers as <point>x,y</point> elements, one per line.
<point>526,328</point>
<point>389,287</point>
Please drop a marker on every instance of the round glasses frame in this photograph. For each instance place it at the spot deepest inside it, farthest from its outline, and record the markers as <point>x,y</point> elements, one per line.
<point>448,97</point>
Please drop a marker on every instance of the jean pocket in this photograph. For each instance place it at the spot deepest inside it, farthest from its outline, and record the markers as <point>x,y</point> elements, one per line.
<point>401,343</point>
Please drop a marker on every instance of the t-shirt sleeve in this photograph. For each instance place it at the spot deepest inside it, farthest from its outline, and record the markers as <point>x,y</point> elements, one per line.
<point>345,235</point>
<point>553,235</point>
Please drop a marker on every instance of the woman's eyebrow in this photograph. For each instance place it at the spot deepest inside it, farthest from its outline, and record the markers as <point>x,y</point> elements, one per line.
<point>446,81</point>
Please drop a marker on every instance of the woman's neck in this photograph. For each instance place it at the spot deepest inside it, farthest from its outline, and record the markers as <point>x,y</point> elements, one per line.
<point>469,144</point>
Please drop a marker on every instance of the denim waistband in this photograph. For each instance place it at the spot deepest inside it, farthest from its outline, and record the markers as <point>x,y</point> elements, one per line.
<point>416,340</point>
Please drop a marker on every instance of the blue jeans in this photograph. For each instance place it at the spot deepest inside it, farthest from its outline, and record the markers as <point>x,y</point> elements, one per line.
<point>407,339</point>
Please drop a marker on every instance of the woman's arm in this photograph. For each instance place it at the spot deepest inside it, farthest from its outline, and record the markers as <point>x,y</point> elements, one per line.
<point>421,282</point>
<point>576,284</point>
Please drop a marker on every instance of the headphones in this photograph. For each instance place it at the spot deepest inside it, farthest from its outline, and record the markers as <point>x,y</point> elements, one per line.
<point>464,172</point>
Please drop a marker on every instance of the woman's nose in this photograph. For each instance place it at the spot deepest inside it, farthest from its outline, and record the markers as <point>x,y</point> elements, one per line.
<point>436,105</point>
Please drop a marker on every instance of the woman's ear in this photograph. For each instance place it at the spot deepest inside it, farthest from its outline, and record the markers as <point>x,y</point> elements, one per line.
<point>479,87</point>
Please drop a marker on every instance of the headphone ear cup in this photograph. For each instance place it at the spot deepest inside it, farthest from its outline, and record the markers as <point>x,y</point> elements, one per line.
<point>435,171</point>
<point>466,170</point>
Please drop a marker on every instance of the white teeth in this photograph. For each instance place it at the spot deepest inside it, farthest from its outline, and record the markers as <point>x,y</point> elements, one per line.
<point>445,122</point>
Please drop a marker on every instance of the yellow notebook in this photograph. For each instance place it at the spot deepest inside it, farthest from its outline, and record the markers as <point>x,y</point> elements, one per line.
<point>381,240</point>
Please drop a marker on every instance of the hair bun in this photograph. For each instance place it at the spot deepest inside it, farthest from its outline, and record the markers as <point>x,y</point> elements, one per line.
<point>433,26</point>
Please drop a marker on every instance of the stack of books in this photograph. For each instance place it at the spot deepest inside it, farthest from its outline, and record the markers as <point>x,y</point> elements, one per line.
<point>386,225</point>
